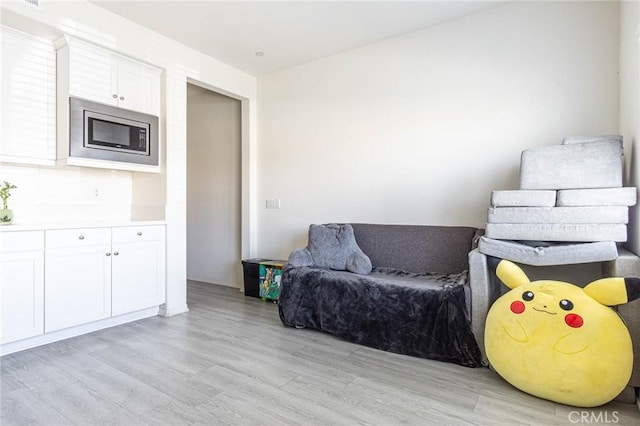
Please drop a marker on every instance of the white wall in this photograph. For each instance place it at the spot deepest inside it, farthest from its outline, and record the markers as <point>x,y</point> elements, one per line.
<point>630,105</point>
<point>74,193</point>
<point>420,128</point>
<point>213,187</point>
<point>84,20</point>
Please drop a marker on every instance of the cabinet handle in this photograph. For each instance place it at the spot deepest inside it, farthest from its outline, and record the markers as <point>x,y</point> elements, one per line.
<point>108,254</point>
<point>122,98</point>
<point>139,234</point>
<point>115,253</point>
<point>81,237</point>
<point>115,96</point>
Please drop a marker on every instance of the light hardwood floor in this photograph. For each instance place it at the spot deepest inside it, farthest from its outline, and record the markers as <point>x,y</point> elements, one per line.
<point>230,361</point>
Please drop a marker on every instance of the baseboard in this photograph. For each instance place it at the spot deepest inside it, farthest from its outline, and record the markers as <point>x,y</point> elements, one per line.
<point>78,330</point>
<point>173,310</point>
<point>209,281</point>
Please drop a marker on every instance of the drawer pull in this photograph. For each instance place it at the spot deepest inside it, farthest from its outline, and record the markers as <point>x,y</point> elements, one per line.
<point>108,254</point>
<point>115,253</point>
<point>139,234</point>
<point>81,237</point>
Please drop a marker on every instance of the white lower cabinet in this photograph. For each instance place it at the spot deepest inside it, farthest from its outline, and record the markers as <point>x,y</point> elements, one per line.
<point>77,277</point>
<point>21,285</point>
<point>137,269</point>
<point>63,282</point>
<point>95,273</point>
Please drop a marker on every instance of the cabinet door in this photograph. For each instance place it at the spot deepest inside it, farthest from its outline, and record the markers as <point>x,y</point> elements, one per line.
<point>27,98</point>
<point>102,76</point>
<point>21,295</point>
<point>21,285</point>
<point>138,87</point>
<point>78,285</point>
<point>138,270</point>
<point>92,73</point>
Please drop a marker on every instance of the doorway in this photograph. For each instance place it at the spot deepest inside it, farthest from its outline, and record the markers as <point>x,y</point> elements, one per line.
<point>214,173</point>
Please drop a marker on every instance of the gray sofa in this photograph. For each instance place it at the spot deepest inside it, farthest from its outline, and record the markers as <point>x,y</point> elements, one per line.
<point>417,299</point>
<point>628,265</point>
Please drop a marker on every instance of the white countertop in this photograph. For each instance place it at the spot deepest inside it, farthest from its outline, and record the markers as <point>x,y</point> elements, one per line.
<point>76,224</point>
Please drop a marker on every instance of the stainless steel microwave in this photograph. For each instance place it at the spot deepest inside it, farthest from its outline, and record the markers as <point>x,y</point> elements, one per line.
<point>104,132</point>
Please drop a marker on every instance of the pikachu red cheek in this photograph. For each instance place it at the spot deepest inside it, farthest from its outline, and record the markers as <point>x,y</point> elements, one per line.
<point>517,307</point>
<point>574,320</point>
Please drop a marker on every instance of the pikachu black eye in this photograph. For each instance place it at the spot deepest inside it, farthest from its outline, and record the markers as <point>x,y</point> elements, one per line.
<point>527,295</point>
<point>566,304</point>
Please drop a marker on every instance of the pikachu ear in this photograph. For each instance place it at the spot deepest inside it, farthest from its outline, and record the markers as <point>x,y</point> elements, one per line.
<point>511,274</point>
<point>614,291</point>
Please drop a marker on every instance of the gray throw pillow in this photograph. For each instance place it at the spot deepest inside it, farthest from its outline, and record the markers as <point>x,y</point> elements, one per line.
<point>332,246</point>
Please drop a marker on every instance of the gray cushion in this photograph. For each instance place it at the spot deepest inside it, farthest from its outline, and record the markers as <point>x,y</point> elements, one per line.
<point>523,198</point>
<point>417,248</point>
<point>598,197</point>
<point>332,246</point>
<point>598,214</point>
<point>538,253</point>
<point>585,139</point>
<point>557,232</point>
<point>573,166</point>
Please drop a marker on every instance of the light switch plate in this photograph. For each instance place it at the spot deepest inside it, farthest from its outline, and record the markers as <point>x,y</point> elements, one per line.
<point>273,203</point>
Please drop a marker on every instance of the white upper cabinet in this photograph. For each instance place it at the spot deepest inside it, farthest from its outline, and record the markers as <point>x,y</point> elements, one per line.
<point>91,73</point>
<point>28,98</point>
<point>102,76</point>
<point>138,87</point>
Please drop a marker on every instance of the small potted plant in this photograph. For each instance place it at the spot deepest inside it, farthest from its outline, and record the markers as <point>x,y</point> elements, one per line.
<point>6,215</point>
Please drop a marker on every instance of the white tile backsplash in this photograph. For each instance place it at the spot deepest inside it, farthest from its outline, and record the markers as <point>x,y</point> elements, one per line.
<point>69,193</point>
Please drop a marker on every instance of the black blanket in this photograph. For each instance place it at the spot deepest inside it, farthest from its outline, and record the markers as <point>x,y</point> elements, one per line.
<point>423,315</point>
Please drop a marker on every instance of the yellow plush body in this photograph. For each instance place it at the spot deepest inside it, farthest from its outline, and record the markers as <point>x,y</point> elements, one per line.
<point>554,340</point>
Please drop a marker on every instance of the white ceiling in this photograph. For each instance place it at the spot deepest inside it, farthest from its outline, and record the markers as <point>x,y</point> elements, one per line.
<point>287,32</point>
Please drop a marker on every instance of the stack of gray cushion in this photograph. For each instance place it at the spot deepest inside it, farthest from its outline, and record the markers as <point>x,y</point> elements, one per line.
<point>571,206</point>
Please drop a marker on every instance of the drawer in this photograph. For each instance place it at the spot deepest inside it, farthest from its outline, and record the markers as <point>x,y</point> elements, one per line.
<point>129,234</point>
<point>21,241</point>
<point>82,237</point>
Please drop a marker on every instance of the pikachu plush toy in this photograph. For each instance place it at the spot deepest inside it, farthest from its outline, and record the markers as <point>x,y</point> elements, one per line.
<point>558,341</point>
